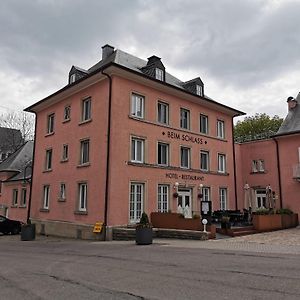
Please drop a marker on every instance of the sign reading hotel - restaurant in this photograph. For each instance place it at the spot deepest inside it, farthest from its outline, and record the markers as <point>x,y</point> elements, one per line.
<point>184,137</point>
<point>184,176</point>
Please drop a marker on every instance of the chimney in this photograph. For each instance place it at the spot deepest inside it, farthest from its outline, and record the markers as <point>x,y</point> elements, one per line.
<point>292,103</point>
<point>107,50</point>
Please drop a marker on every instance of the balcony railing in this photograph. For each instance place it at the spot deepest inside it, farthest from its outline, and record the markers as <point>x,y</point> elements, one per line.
<point>296,171</point>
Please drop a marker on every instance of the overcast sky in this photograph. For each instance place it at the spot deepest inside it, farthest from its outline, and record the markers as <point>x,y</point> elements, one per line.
<point>246,52</point>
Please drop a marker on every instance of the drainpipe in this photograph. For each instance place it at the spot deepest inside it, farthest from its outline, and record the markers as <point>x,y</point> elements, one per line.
<point>279,172</point>
<point>32,169</point>
<point>107,156</point>
<point>234,166</point>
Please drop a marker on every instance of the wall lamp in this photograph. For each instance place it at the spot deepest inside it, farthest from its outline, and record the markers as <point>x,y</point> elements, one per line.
<point>176,185</point>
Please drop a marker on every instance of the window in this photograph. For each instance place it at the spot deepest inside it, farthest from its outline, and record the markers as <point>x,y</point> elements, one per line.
<point>86,109</point>
<point>163,154</point>
<point>258,166</point>
<point>84,152</point>
<point>137,106</point>
<point>206,193</point>
<point>159,74</point>
<point>72,78</point>
<point>67,113</point>
<point>50,124</point>
<point>185,157</point>
<point>23,197</point>
<point>184,118</point>
<point>204,160</point>
<point>136,201</point>
<point>48,164</point>
<point>223,198</point>
<point>220,129</point>
<point>15,197</point>
<point>62,191</point>
<point>199,90</point>
<point>82,196</point>
<point>46,196</point>
<point>3,155</point>
<point>137,150</point>
<point>65,152</point>
<point>203,124</point>
<point>163,198</point>
<point>221,163</point>
<point>163,113</point>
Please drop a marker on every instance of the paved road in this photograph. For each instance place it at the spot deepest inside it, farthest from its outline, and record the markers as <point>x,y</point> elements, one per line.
<point>52,268</point>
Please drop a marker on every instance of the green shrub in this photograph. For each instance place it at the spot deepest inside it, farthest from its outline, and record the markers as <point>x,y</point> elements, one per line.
<point>262,211</point>
<point>196,216</point>
<point>144,221</point>
<point>284,211</point>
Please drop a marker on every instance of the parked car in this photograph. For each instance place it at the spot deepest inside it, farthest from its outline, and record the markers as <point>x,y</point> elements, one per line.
<point>9,226</point>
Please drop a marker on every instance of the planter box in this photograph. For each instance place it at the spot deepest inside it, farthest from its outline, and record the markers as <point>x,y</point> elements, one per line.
<point>176,221</point>
<point>143,236</point>
<point>289,221</point>
<point>274,222</point>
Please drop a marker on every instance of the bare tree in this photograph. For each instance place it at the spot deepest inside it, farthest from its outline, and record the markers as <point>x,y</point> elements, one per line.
<point>22,121</point>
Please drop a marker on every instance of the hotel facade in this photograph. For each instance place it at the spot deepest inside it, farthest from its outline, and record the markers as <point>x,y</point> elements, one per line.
<point>125,137</point>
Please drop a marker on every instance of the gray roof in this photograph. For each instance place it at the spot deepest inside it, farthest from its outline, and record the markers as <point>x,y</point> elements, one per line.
<point>291,123</point>
<point>17,161</point>
<point>10,139</point>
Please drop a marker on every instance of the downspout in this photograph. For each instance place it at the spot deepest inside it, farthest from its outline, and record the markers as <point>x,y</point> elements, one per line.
<point>32,169</point>
<point>107,156</point>
<point>279,172</point>
<point>234,166</point>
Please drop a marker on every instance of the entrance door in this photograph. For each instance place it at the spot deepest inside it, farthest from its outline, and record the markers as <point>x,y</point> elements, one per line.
<point>261,198</point>
<point>184,203</point>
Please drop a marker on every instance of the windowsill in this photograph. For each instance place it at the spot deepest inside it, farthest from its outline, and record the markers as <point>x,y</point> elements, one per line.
<point>137,162</point>
<point>221,172</point>
<point>84,165</point>
<point>64,160</point>
<point>62,200</point>
<point>47,171</point>
<point>49,134</point>
<point>85,121</point>
<point>258,172</point>
<point>79,212</point>
<point>46,210</point>
<point>22,206</point>
<point>184,168</point>
<point>136,117</point>
<point>66,120</point>
<point>205,171</point>
<point>14,206</point>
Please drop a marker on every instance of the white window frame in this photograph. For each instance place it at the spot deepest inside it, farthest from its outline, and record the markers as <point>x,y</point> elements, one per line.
<point>159,74</point>
<point>84,151</point>
<point>72,78</point>
<point>254,166</point>
<point>185,116</point>
<point>163,115</point>
<point>50,123</point>
<point>221,163</point>
<point>136,201</point>
<point>206,154</point>
<point>137,106</point>
<point>135,144</point>
<point>203,121</point>
<point>67,113</point>
<point>183,148</point>
<point>82,196</point>
<point>15,196</point>
<point>65,152</point>
<point>163,198</point>
<point>220,129</point>
<point>166,158</point>
<point>46,196</point>
<point>223,195</point>
<point>206,193</point>
<point>86,109</point>
<point>23,199</point>
<point>199,90</point>
<point>48,160</point>
<point>62,191</point>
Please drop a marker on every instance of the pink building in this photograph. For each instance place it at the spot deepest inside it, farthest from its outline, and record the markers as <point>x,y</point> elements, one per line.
<point>15,174</point>
<point>272,163</point>
<point>121,138</point>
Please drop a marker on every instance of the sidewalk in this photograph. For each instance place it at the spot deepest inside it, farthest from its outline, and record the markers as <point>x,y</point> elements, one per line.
<point>277,242</point>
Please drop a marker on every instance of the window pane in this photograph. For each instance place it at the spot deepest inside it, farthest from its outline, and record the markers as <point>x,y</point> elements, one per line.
<point>185,157</point>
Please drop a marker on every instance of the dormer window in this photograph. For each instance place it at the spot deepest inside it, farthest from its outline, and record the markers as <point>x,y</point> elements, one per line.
<point>199,90</point>
<point>72,78</point>
<point>159,74</point>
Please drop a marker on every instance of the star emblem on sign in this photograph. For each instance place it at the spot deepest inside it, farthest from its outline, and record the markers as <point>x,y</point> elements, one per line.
<point>163,133</point>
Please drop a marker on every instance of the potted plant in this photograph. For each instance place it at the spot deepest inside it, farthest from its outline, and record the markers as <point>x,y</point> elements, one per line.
<point>225,222</point>
<point>143,231</point>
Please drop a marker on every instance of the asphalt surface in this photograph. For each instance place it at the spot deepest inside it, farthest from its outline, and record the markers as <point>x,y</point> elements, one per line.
<point>53,268</point>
